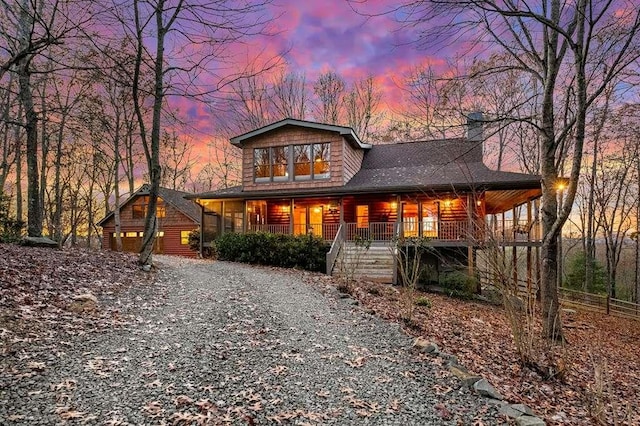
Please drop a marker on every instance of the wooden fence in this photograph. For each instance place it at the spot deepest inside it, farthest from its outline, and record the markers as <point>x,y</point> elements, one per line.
<point>600,303</point>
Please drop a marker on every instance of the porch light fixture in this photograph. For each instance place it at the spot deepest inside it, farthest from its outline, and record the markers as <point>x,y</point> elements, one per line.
<point>479,203</point>
<point>447,203</point>
<point>561,186</point>
<point>394,205</point>
<point>285,209</point>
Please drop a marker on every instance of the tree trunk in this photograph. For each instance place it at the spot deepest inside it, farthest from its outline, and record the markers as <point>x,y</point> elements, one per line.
<point>116,179</point>
<point>153,154</point>
<point>34,212</point>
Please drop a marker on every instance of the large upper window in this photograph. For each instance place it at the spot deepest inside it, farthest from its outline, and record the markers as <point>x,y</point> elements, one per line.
<point>139,209</point>
<point>293,162</point>
<point>302,162</point>
<point>320,160</point>
<point>280,161</point>
<point>261,164</point>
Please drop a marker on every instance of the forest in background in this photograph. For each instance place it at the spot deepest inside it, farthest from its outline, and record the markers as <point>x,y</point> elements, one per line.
<point>80,95</point>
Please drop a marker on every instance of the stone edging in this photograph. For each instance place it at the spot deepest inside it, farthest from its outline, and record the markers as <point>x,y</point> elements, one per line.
<point>522,414</point>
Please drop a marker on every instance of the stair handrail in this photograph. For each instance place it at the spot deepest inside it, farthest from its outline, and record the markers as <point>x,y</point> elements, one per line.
<point>336,245</point>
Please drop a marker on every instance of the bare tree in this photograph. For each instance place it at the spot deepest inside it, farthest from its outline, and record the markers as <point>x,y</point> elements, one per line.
<point>211,26</point>
<point>615,203</point>
<point>432,103</point>
<point>574,50</point>
<point>28,30</point>
<point>290,98</point>
<point>330,90</point>
<point>361,106</point>
<point>249,105</point>
<point>223,167</point>
<point>176,157</point>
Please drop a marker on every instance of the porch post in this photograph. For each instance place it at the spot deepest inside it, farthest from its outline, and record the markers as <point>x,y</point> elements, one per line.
<point>291,206</point>
<point>245,218</point>
<point>513,249</point>
<point>397,228</point>
<point>201,229</point>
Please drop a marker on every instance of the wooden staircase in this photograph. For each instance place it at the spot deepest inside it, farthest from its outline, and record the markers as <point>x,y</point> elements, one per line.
<point>374,263</point>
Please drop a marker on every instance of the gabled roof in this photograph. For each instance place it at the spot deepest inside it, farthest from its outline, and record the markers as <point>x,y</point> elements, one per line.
<point>169,196</point>
<point>346,132</point>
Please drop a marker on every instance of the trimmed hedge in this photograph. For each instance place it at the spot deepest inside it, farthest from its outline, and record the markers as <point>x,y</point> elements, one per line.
<point>287,251</point>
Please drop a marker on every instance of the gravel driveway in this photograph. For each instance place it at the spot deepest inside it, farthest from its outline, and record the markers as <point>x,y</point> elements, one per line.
<point>224,343</point>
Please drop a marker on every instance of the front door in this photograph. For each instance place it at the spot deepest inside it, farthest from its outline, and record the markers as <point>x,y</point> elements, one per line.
<point>299,220</point>
<point>307,219</point>
<point>409,219</point>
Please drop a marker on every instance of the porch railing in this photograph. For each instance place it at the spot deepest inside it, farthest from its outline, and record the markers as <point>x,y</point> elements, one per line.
<point>336,246</point>
<point>506,231</point>
<point>273,229</point>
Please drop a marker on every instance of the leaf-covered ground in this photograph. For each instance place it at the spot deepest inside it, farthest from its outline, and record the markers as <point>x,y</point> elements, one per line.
<point>37,287</point>
<point>600,346</point>
<point>208,343</point>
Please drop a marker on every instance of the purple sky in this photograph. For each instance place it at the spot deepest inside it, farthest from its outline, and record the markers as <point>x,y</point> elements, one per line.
<point>328,35</point>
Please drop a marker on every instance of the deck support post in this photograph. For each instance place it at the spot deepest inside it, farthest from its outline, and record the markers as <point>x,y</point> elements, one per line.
<point>470,259</point>
<point>514,251</point>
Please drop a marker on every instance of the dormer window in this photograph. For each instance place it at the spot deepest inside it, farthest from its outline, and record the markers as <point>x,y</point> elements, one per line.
<point>280,157</point>
<point>291,162</point>
<point>321,161</point>
<point>302,162</point>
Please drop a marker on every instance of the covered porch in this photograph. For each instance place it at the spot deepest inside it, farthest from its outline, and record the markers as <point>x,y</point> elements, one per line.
<point>448,219</point>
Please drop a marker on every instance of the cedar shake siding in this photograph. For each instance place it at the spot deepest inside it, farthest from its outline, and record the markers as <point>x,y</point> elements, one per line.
<point>288,136</point>
<point>352,161</point>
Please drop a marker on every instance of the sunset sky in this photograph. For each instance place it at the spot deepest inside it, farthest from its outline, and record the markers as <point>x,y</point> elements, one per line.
<point>330,35</point>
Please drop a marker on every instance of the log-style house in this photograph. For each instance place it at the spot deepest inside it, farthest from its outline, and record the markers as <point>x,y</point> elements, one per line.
<point>176,217</point>
<point>303,177</point>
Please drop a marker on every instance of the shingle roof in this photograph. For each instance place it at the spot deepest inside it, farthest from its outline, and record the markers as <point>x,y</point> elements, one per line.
<point>175,198</point>
<point>438,164</point>
<point>445,164</point>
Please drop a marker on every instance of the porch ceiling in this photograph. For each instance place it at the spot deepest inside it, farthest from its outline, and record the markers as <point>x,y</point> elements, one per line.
<point>500,201</point>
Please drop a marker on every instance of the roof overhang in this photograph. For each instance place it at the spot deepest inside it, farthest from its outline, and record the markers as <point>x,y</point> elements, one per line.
<point>529,186</point>
<point>346,132</point>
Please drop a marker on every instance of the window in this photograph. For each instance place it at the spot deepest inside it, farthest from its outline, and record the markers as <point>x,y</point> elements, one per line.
<point>184,237</point>
<point>280,157</point>
<point>429,220</point>
<point>131,234</point>
<point>291,162</point>
<point>161,211</point>
<point>139,211</point>
<point>261,164</point>
<point>321,161</point>
<point>362,216</point>
<point>302,162</point>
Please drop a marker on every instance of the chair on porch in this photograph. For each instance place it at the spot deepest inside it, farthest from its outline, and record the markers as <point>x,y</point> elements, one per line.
<point>520,230</point>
